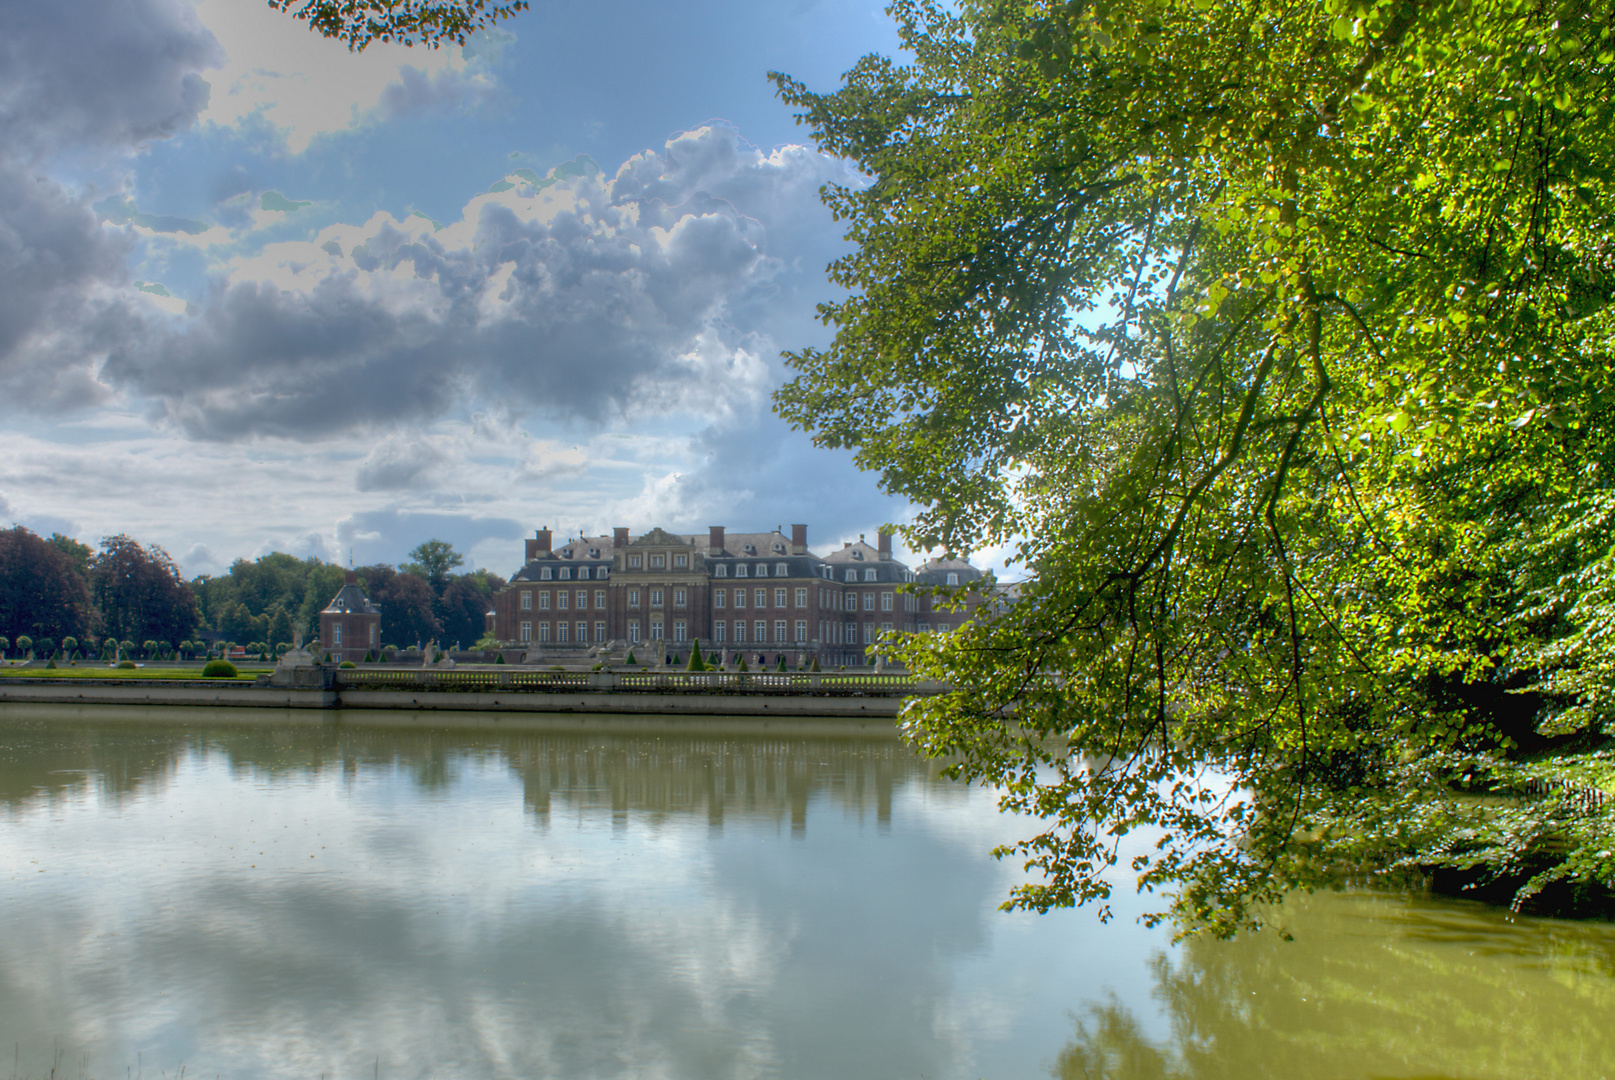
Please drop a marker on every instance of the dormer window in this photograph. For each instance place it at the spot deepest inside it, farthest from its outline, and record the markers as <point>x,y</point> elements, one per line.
<point>852,575</point>
<point>953,577</point>
<point>544,573</point>
<point>740,569</point>
<point>762,569</point>
<point>566,573</point>
<point>779,548</point>
<point>721,570</point>
<point>857,554</point>
<point>583,573</point>
<point>779,570</point>
<point>594,553</point>
<point>869,575</point>
<point>602,572</point>
<point>749,549</point>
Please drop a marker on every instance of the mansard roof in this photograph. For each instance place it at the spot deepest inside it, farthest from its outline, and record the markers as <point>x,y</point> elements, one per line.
<point>936,571</point>
<point>351,600</point>
<point>579,551</point>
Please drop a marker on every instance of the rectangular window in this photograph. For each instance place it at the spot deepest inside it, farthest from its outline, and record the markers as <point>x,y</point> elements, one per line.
<point>527,632</point>
<point>373,628</point>
<point>544,600</point>
<point>779,631</point>
<point>561,599</point>
<point>583,599</point>
<point>885,629</point>
<point>740,631</point>
<point>718,632</point>
<point>679,597</point>
<point>718,598</point>
<point>925,628</point>
<point>720,571</point>
<point>760,631</point>
<point>633,597</point>
<point>527,599</point>
<point>655,629</point>
<point>740,570</point>
<point>583,633</point>
<point>885,601</point>
<point>633,629</point>
<point>869,601</point>
<point>681,561</point>
<point>543,633</point>
<point>656,598</point>
<point>658,561</point>
<point>779,569</point>
<point>633,562</point>
<point>740,598</point>
<point>600,599</point>
<point>760,598</point>
<point>801,598</point>
<point>869,633</point>
<point>561,630</point>
<point>679,629</point>
<point>779,598</point>
<point>599,631</point>
<point>801,631</point>
<point>336,634</point>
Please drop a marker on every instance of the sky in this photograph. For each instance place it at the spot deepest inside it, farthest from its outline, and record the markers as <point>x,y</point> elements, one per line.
<point>259,293</point>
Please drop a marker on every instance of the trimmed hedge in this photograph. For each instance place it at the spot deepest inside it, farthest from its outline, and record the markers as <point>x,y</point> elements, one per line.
<point>213,669</point>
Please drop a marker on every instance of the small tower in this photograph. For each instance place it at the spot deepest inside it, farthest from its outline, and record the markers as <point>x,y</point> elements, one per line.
<point>350,625</point>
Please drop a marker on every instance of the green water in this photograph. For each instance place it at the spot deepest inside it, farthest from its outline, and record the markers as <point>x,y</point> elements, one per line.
<point>245,900</point>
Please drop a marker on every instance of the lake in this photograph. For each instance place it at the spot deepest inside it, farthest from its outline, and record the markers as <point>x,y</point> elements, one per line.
<point>345,900</point>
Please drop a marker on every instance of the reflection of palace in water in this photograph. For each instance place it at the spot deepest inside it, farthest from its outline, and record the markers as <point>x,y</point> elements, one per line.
<point>660,775</point>
<point>752,778</point>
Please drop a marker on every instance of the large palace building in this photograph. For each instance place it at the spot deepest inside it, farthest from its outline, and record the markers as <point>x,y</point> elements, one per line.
<point>762,592</point>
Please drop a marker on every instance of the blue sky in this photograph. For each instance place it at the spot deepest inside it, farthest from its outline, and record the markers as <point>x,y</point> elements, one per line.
<point>259,293</point>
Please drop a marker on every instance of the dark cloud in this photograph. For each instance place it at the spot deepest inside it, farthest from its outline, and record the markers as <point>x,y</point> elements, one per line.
<point>95,78</point>
<point>579,296</point>
<point>99,73</point>
<point>418,91</point>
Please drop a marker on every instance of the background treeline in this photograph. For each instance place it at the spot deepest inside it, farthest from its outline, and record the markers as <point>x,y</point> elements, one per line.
<point>59,595</point>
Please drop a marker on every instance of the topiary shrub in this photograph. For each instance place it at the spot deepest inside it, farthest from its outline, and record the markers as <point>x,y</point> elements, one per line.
<point>696,663</point>
<point>631,659</point>
<point>127,665</point>
<point>742,666</point>
<point>213,669</point>
<point>815,665</point>
<point>500,659</point>
<point>51,663</point>
<point>348,664</point>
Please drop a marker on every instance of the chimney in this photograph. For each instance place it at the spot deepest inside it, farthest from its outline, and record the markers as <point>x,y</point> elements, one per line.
<point>619,536</point>
<point>538,544</point>
<point>798,539</point>
<point>714,539</point>
<point>885,545</point>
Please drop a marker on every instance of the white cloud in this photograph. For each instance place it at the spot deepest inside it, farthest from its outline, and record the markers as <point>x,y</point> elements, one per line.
<point>305,85</point>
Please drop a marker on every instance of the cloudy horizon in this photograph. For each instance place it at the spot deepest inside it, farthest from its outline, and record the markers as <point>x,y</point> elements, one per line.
<point>263,294</point>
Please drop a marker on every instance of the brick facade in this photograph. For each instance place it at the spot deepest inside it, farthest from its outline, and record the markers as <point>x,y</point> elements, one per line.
<point>753,592</point>
<point>350,625</point>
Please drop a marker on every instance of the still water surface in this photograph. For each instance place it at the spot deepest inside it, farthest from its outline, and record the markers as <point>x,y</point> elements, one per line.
<point>253,901</point>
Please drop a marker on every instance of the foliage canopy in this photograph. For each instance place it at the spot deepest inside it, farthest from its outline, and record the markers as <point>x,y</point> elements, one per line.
<point>1277,337</point>
<point>359,22</point>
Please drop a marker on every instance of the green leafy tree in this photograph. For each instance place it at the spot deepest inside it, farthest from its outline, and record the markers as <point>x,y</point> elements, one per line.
<point>40,591</point>
<point>696,663</point>
<point>434,560</point>
<point>1277,340</point>
<point>139,591</point>
<point>357,23</point>
<point>407,610</point>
